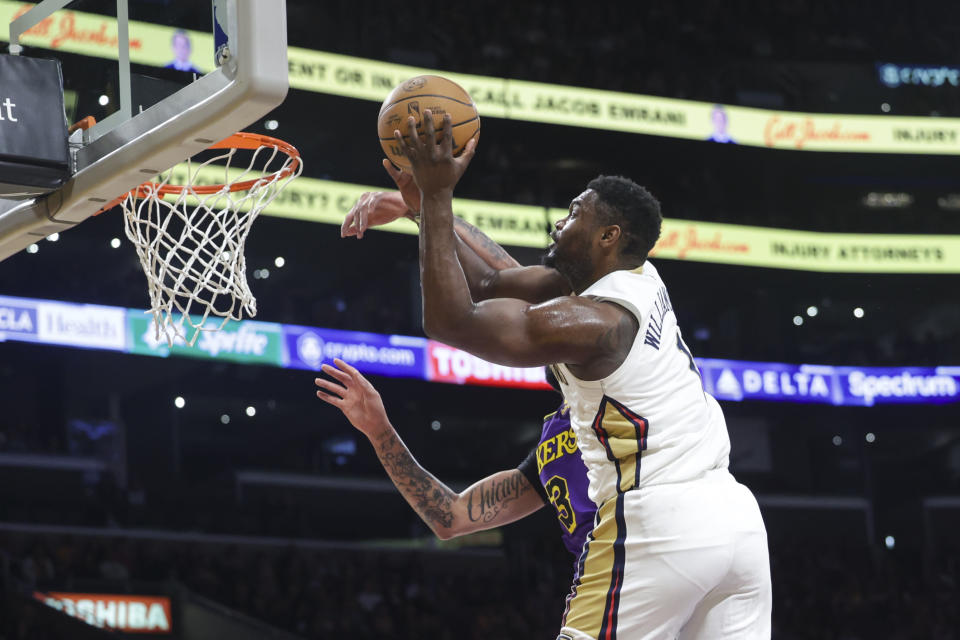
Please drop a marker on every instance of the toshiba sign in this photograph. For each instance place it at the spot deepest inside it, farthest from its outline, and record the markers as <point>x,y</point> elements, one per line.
<point>448,364</point>
<point>130,614</point>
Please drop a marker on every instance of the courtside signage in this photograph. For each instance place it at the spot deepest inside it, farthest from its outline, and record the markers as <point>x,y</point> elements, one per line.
<point>95,35</point>
<point>87,326</point>
<point>18,319</point>
<point>373,353</point>
<point>899,385</point>
<point>821,384</point>
<point>81,325</point>
<point>247,341</point>
<point>126,613</point>
<point>455,366</point>
<point>301,347</point>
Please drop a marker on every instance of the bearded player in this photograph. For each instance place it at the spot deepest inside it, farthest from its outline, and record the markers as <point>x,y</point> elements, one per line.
<point>679,549</point>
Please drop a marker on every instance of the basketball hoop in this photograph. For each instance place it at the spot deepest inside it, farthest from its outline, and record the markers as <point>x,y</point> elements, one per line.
<point>190,237</point>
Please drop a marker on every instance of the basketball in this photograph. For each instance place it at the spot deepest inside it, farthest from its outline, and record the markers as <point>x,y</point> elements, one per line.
<point>414,96</point>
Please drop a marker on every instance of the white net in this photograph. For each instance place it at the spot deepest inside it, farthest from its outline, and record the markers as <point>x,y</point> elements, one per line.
<point>190,239</point>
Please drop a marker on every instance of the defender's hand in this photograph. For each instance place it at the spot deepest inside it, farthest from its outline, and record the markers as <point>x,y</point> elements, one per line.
<point>373,209</point>
<point>354,396</point>
<point>431,160</point>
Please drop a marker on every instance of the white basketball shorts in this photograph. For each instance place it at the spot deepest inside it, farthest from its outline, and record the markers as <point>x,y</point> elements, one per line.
<point>675,561</point>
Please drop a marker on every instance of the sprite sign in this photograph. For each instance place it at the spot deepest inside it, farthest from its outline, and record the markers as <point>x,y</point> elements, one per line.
<point>247,341</point>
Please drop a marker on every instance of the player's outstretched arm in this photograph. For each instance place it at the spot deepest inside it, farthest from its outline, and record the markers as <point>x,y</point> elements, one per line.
<point>374,209</point>
<point>494,501</point>
<point>491,272</point>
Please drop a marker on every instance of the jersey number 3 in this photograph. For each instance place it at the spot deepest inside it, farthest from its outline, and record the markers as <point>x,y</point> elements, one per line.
<point>559,496</point>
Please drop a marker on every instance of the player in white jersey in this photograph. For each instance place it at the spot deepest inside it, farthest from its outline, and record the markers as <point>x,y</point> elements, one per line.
<point>679,549</point>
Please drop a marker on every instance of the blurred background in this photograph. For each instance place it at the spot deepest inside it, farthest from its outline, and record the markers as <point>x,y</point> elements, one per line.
<point>228,488</point>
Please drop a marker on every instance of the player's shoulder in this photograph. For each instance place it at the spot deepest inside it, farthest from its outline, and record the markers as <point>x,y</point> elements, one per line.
<point>637,286</point>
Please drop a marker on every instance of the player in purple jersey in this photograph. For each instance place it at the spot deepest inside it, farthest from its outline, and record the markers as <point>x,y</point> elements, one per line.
<point>553,473</point>
<point>554,468</point>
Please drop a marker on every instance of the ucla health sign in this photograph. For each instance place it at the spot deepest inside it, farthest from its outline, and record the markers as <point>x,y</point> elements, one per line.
<point>840,386</point>
<point>18,319</point>
<point>87,326</point>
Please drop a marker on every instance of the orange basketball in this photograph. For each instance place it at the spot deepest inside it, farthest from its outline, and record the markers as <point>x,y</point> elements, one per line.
<point>414,96</point>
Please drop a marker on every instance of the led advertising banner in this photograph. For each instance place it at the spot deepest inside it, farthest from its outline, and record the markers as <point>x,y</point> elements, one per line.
<point>322,72</point>
<point>841,386</point>
<point>301,347</point>
<point>807,250</point>
<point>125,613</point>
<point>248,342</point>
<point>395,356</point>
<point>455,366</point>
<point>897,75</point>
<point>18,320</point>
<point>328,202</point>
<point>95,35</point>
<point>87,326</point>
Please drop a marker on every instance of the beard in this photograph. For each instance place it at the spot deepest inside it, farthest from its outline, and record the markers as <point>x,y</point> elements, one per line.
<point>549,258</point>
<point>575,269</point>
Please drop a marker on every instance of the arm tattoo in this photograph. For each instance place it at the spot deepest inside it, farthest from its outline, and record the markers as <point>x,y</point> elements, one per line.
<point>495,256</point>
<point>489,499</point>
<point>431,499</point>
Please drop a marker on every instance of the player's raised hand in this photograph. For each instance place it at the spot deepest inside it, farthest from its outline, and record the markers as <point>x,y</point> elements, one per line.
<point>354,396</point>
<point>373,209</point>
<point>431,158</point>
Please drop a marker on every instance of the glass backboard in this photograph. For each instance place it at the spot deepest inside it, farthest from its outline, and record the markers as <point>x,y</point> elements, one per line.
<point>164,80</point>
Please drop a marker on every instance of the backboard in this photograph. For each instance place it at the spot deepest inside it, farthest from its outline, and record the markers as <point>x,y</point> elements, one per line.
<point>209,84</point>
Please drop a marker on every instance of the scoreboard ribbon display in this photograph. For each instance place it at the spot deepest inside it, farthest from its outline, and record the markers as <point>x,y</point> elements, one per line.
<point>95,35</point>
<point>326,201</point>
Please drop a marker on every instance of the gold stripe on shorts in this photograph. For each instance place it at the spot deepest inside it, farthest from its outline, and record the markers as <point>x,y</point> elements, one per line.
<point>587,605</point>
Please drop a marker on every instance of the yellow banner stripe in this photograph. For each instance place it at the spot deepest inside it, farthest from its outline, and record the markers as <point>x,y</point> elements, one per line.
<point>329,73</point>
<point>328,202</point>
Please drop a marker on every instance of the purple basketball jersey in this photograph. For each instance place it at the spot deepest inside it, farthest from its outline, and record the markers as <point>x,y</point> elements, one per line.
<point>564,478</point>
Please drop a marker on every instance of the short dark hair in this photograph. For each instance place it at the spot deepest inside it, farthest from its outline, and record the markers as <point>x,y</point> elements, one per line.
<point>633,208</point>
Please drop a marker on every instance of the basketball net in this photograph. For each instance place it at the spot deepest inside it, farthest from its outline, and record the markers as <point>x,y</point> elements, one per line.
<point>190,238</point>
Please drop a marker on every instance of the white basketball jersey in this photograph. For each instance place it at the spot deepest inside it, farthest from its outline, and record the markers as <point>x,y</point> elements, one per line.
<point>650,421</point>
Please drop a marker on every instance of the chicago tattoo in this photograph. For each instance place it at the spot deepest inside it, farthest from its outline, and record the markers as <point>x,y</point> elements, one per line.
<point>431,499</point>
<point>489,499</point>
